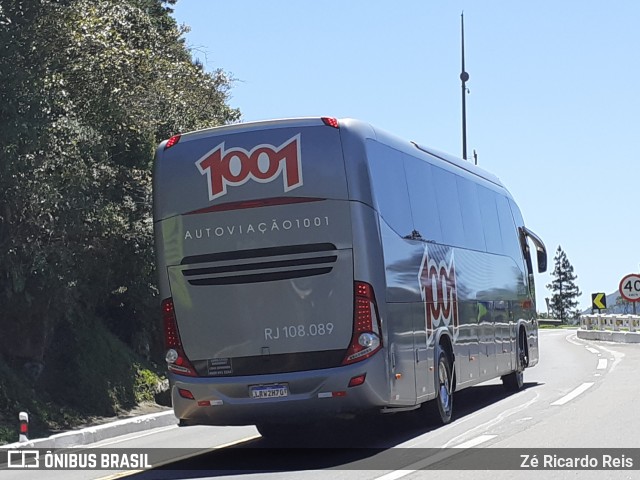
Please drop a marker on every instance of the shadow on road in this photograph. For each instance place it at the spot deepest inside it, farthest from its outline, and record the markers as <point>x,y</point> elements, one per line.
<point>365,443</point>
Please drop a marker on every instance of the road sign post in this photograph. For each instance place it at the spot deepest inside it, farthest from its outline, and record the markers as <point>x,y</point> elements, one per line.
<point>598,301</point>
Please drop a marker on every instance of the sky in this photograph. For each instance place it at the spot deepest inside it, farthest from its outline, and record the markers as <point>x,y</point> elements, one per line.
<point>552,107</point>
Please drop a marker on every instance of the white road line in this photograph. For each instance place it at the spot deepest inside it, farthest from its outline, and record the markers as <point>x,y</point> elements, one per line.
<point>495,421</point>
<point>616,357</point>
<point>602,364</point>
<point>126,438</point>
<point>571,338</point>
<point>476,441</point>
<point>578,391</point>
<point>593,350</point>
<point>414,467</point>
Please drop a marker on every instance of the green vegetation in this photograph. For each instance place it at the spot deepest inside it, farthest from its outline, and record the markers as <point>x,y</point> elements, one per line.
<point>89,373</point>
<point>565,292</point>
<point>147,384</point>
<point>88,90</point>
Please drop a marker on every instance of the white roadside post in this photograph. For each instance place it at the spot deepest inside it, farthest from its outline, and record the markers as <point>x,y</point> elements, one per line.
<point>24,426</point>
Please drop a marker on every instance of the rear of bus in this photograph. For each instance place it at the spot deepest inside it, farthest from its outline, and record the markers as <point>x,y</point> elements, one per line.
<point>263,318</point>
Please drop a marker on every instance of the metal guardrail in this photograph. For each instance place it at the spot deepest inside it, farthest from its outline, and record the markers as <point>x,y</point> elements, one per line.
<point>610,322</point>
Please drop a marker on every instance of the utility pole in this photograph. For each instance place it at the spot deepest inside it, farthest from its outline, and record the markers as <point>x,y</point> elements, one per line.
<point>464,77</point>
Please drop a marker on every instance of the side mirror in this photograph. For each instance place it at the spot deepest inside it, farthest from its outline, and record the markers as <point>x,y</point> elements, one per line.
<point>542,260</point>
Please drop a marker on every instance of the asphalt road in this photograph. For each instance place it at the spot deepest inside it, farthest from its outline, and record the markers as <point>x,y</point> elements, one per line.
<point>581,395</point>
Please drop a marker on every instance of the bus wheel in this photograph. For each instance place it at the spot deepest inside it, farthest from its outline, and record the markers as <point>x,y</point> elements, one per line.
<point>441,408</point>
<point>514,381</point>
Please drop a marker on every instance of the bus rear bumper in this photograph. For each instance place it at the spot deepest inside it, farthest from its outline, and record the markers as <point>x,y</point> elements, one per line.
<point>311,395</point>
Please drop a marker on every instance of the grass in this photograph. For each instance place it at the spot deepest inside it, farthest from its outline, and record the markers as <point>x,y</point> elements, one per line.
<point>89,374</point>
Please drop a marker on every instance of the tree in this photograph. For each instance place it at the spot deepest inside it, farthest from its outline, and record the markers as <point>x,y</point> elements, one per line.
<point>565,292</point>
<point>88,91</point>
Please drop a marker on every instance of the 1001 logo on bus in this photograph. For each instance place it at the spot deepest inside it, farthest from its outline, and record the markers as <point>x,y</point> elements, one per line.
<point>439,292</point>
<point>263,164</point>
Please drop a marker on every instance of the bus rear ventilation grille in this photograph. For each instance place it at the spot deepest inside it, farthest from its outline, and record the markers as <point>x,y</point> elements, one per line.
<point>264,269</point>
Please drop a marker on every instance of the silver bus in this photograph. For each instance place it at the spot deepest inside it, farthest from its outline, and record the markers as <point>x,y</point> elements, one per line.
<point>313,268</point>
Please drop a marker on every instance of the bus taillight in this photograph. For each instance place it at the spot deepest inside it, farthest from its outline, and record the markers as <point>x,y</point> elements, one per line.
<point>177,361</point>
<point>331,122</point>
<point>172,141</point>
<point>366,339</point>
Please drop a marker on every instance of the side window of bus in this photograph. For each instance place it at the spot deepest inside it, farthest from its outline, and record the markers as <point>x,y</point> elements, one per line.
<point>422,195</point>
<point>448,206</point>
<point>489,213</point>
<point>510,238</point>
<point>471,219</point>
<point>386,167</point>
<point>517,216</point>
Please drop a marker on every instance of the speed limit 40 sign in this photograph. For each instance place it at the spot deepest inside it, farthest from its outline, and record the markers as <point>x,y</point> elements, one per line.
<point>630,287</point>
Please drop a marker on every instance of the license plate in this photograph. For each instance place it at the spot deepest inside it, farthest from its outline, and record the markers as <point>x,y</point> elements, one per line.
<point>269,391</point>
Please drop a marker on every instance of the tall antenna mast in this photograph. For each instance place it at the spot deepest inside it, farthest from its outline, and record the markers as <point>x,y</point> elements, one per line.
<point>464,77</point>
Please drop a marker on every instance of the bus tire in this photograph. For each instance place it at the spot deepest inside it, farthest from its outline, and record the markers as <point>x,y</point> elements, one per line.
<point>514,381</point>
<point>441,408</point>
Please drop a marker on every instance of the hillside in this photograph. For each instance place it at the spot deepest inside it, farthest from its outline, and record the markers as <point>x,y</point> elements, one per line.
<point>89,89</point>
<point>91,374</point>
